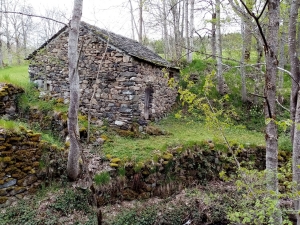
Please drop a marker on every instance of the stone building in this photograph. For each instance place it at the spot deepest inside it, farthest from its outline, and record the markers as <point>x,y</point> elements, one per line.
<point>122,80</point>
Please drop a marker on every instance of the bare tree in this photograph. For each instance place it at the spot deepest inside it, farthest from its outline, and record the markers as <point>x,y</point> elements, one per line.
<point>242,64</point>
<point>74,154</point>
<point>140,34</point>
<point>192,30</point>
<point>295,96</point>
<point>1,33</point>
<point>294,61</point>
<point>219,49</point>
<point>271,50</point>
<point>133,25</point>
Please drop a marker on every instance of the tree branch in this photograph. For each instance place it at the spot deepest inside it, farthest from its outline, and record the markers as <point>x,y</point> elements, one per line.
<point>256,18</point>
<point>31,15</point>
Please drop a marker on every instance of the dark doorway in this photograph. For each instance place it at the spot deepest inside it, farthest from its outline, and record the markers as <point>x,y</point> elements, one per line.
<point>148,101</point>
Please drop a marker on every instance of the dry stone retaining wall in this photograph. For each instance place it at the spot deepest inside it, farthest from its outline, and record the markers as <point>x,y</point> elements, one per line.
<point>21,171</point>
<point>118,85</point>
<point>8,95</point>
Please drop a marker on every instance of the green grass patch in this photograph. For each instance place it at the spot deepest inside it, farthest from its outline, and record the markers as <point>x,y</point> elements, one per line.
<point>102,178</point>
<point>11,125</point>
<point>17,75</point>
<point>179,132</point>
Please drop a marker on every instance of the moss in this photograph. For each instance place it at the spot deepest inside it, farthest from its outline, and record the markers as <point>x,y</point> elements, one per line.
<point>28,168</point>
<point>165,162</point>
<point>6,159</point>
<point>60,100</point>
<point>67,144</point>
<point>115,160</point>
<point>3,200</point>
<point>104,137</point>
<point>125,133</point>
<point>15,139</point>
<point>113,165</point>
<point>108,156</point>
<point>167,156</point>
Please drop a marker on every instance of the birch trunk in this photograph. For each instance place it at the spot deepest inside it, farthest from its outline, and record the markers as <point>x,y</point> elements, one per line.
<point>259,52</point>
<point>242,66</point>
<point>295,94</point>
<point>213,35</point>
<point>165,28</point>
<point>132,20</point>
<point>1,53</point>
<point>282,61</point>
<point>73,157</point>
<point>191,39</point>
<point>293,60</point>
<point>219,49</point>
<point>187,39</point>
<point>270,103</point>
<point>141,21</point>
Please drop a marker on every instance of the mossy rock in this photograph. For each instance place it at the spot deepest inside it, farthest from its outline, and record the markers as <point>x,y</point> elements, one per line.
<point>6,159</point>
<point>115,160</point>
<point>15,139</point>
<point>3,200</point>
<point>167,156</point>
<point>67,144</point>
<point>108,156</point>
<point>105,137</point>
<point>152,130</point>
<point>125,133</point>
<point>114,165</point>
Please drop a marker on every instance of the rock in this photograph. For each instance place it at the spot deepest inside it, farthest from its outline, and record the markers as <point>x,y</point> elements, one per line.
<point>8,184</point>
<point>119,123</point>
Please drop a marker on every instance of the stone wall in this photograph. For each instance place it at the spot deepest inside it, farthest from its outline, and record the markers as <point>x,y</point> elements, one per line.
<point>174,170</point>
<point>23,165</point>
<point>118,85</point>
<point>8,104</point>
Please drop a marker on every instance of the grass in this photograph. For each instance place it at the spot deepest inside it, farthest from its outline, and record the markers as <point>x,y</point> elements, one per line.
<point>180,132</point>
<point>11,125</point>
<point>17,75</point>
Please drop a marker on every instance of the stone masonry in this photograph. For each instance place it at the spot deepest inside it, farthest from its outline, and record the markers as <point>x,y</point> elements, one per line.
<point>113,80</point>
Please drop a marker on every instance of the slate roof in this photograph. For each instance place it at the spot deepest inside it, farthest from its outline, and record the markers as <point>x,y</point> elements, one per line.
<point>129,46</point>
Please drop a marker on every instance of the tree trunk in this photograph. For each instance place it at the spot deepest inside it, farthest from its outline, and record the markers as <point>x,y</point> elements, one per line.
<point>293,61</point>
<point>73,158</point>
<point>219,49</point>
<point>213,35</point>
<point>282,61</point>
<point>259,50</point>
<point>298,39</point>
<point>190,56</point>
<point>165,30</point>
<point>141,21</point>
<point>295,114</point>
<point>132,19</point>
<point>176,20</point>
<point>270,103</point>
<point>242,66</point>
<point>1,25</point>
<point>187,39</point>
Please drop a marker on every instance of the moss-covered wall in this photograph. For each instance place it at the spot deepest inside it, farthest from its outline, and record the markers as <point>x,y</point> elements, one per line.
<point>179,168</point>
<point>21,164</point>
<point>8,94</point>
